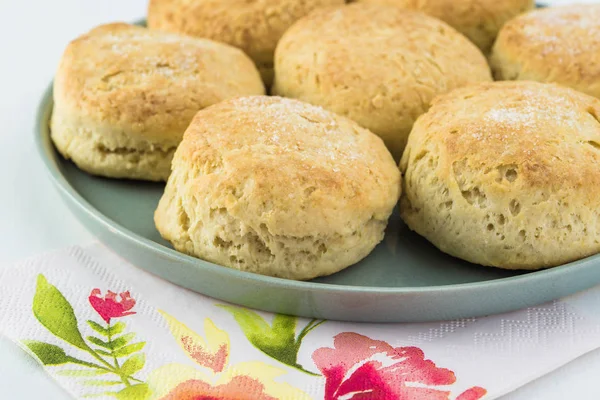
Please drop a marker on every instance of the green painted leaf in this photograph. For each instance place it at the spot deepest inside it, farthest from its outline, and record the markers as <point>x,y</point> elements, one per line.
<point>82,373</point>
<point>278,341</point>
<point>55,313</point>
<point>122,341</point>
<point>98,328</point>
<point>127,350</point>
<point>284,328</point>
<point>133,364</point>
<point>135,392</point>
<point>104,353</point>
<point>252,324</point>
<point>96,382</point>
<point>48,354</point>
<point>117,328</point>
<point>99,342</point>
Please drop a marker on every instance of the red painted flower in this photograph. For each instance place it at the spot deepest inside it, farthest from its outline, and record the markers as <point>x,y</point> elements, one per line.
<point>109,307</point>
<point>362,368</point>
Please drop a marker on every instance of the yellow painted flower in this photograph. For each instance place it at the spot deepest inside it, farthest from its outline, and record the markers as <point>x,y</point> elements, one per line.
<point>215,379</point>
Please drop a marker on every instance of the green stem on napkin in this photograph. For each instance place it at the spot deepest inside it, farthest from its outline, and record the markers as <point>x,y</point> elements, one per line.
<point>117,366</point>
<point>309,327</point>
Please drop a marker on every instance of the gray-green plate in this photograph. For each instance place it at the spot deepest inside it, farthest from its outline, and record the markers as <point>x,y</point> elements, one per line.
<point>404,279</point>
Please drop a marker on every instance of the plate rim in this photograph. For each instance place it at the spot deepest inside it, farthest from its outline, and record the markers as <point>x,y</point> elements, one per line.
<point>44,146</point>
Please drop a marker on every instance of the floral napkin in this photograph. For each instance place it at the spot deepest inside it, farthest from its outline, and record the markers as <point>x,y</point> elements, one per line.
<point>106,329</point>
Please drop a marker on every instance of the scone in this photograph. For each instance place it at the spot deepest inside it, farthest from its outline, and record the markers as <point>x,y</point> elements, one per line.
<point>278,187</point>
<point>253,26</point>
<point>124,95</point>
<point>507,175</point>
<point>378,65</point>
<point>479,20</point>
<point>557,44</point>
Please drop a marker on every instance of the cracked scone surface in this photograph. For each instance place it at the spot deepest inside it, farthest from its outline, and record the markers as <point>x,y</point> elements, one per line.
<point>278,187</point>
<point>124,95</point>
<point>556,44</point>
<point>378,65</point>
<point>506,174</point>
<point>253,26</point>
<point>479,20</point>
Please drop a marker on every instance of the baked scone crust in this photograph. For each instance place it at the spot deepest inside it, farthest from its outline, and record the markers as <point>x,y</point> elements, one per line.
<point>124,95</point>
<point>378,65</point>
<point>253,26</point>
<point>506,174</point>
<point>278,187</point>
<point>478,20</point>
<point>555,44</point>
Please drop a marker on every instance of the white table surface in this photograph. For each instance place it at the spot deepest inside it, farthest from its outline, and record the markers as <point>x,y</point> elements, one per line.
<point>32,217</point>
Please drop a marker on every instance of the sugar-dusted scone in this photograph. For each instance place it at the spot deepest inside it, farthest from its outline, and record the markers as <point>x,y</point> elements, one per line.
<point>378,65</point>
<point>506,174</point>
<point>124,95</point>
<point>556,44</point>
<point>479,20</point>
<point>253,26</point>
<point>278,187</point>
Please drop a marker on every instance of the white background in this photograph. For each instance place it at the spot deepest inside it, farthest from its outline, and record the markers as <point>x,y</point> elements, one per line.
<point>32,218</point>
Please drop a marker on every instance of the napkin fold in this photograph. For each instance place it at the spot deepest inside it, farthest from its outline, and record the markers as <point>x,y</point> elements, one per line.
<point>103,328</point>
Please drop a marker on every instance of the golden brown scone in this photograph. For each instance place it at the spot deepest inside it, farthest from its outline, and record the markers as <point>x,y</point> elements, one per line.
<point>506,174</point>
<point>479,20</point>
<point>124,95</point>
<point>557,44</point>
<point>253,26</point>
<point>378,65</point>
<point>278,187</point>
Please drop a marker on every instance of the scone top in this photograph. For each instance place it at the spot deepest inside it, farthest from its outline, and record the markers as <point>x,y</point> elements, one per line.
<point>535,136</point>
<point>555,44</point>
<point>294,167</point>
<point>378,65</point>
<point>145,83</point>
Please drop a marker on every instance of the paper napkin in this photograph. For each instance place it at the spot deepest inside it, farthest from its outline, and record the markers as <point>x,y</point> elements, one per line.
<point>106,329</point>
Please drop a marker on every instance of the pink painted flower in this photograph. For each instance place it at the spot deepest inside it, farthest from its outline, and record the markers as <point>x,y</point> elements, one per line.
<point>362,368</point>
<point>109,307</point>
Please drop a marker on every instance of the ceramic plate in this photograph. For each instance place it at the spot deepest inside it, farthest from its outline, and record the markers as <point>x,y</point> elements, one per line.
<point>404,279</point>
